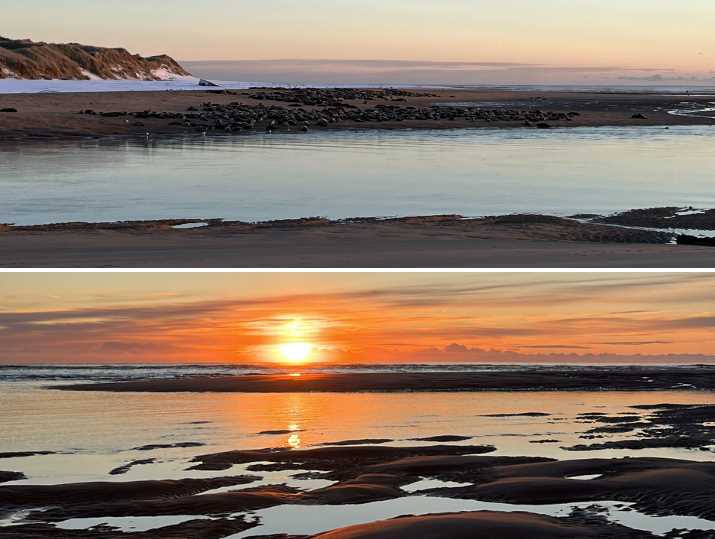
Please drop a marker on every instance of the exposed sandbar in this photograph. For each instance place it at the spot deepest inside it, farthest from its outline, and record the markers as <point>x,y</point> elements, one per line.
<point>66,115</point>
<point>514,241</point>
<point>527,379</point>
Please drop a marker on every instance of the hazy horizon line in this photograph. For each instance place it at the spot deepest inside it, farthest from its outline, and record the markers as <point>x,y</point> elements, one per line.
<point>316,364</point>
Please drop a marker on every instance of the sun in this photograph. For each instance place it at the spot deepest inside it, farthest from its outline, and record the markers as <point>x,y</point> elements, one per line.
<point>296,352</point>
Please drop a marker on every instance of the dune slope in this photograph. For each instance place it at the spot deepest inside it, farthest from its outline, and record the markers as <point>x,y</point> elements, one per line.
<point>26,59</point>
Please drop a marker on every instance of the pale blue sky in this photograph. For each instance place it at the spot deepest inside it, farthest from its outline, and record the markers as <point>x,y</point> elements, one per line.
<point>632,33</point>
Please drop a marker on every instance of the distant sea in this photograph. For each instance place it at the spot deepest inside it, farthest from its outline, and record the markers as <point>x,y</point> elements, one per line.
<point>112,373</point>
<point>238,82</point>
<point>376,73</point>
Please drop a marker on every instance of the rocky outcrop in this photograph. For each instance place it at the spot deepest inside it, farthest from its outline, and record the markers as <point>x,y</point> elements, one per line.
<point>26,59</point>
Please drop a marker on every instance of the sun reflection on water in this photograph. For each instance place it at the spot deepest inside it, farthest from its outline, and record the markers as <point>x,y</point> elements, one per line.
<point>294,439</point>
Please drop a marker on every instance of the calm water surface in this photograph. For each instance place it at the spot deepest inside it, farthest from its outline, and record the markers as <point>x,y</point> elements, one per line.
<point>359,173</point>
<point>96,432</point>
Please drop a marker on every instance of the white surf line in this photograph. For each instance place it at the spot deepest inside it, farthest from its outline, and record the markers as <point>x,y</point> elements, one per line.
<point>702,233</point>
<point>698,113</point>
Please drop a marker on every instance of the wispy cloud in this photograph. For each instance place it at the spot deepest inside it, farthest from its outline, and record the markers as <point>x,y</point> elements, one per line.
<point>459,317</point>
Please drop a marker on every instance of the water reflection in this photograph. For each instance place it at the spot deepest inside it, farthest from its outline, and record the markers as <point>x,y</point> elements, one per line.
<point>345,174</point>
<point>309,520</point>
<point>294,438</point>
<point>95,431</point>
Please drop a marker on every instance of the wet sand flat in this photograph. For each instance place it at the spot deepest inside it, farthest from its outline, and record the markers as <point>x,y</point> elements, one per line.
<point>402,243</point>
<point>641,378</point>
<point>43,116</point>
<point>460,483</point>
<point>369,476</point>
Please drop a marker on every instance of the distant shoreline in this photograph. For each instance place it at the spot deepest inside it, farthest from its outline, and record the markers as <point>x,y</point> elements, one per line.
<point>646,225</point>
<point>191,83</point>
<point>602,379</point>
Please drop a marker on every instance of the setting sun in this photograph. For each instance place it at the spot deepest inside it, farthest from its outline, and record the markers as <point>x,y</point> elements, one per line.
<point>296,352</point>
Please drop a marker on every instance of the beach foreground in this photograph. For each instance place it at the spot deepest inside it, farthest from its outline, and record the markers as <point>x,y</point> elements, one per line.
<point>529,241</point>
<point>525,490</point>
<point>553,452</point>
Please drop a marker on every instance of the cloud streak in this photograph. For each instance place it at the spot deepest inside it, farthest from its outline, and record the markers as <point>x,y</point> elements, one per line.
<point>527,317</point>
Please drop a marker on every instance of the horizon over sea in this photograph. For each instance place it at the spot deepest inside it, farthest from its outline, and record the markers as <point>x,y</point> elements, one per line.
<point>114,372</point>
<point>235,81</point>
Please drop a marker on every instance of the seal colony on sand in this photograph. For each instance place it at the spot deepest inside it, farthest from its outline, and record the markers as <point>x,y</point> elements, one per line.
<point>216,111</point>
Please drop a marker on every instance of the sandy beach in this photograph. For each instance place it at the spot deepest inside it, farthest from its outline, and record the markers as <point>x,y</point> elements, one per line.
<point>349,270</point>
<point>522,241</point>
<point>59,115</point>
<point>425,242</point>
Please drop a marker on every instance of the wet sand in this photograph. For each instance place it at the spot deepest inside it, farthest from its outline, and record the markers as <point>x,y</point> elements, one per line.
<point>480,524</point>
<point>526,379</point>
<point>43,116</point>
<point>6,477</point>
<point>420,242</point>
<point>364,474</point>
<point>371,474</point>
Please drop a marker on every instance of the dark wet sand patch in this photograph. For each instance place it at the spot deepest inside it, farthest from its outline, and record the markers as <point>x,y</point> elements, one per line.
<point>6,477</point>
<point>328,457</point>
<point>68,495</point>
<point>524,414</point>
<point>203,504</point>
<point>178,445</point>
<point>24,454</point>
<point>547,441</point>
<point>363,441</point>
<point>493,525</point>
<point>121,470</point>
<point>195,529</point>
<point>663,217</point>
<point>443,438</point>
<point>662,426</point>
<point>617,429</point>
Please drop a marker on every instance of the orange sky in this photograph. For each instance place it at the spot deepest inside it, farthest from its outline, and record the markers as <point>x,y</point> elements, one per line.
<point>400,317</point>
